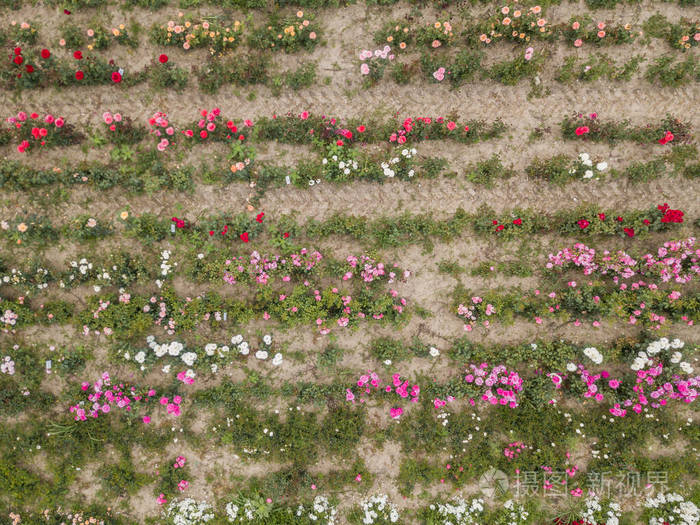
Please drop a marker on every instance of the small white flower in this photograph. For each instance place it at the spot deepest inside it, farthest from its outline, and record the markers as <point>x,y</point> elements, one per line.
<point>434,352</point>
<point>261,354</point>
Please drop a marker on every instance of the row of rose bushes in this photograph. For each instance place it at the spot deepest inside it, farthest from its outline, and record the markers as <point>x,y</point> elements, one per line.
<point>32,131</point>
<point>216,262</point>
<point>524,25</point>
<point>300,32</point>
<point>466,66</point>
<point>131,315</point>
<point>127,315</point>
<point>255,69</point>
<point>562,169</point>
<point>294,33</point>
<point>380,231</point>
<point>258,4</point>
<point>148,172</point>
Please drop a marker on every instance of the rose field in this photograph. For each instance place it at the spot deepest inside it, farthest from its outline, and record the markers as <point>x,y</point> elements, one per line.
<point>332,262</point>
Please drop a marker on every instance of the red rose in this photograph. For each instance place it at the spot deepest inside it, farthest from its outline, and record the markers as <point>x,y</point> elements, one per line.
<point>116,77</point>
<point>211,233</point>
<point>361,129</point>
<point>45,53</point>
<point>672,216</point>
<point>582,130</point>
<point>66,12</point>
<point>618,219</point>
<point>163,59</point>
<point>29,68</point>
<point>629,232</point>
<point>18,51</point>
<point>646,221</point>
<point>499,228</point>
<point>203,134</point>
<point>79,75</point>
<point>601,216</point>
<point>668,137</point>
<point>583,224</point>
<point>286,235</point>
<point>466,128</point>
<point>494,222</point>
<point>78,55</point>
<point>244,236</point>
<point>241,137</point>
<point>339,143</point>
<point>18,60</point>
<point>518,222</point>
<point>260,216</point>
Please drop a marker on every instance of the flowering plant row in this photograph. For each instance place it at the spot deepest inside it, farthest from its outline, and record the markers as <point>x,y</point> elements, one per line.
<point>211,356</point>
<point>590,127</point>
<point>675,263</point>
<point>511,23</point>
<point>289,34</point>
<point>302,128</point>
<point>305,128</point>
<point>382,232</point>
<point>378,509</point>
<point>129,315</point>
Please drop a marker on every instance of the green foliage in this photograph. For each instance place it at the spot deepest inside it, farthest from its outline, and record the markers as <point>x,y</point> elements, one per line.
<point>168,76</point>
<point>510,72</point>
<point>666,71</point>
<point>301,78</point>
<point>121,479</point>
<point>487,171</point>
